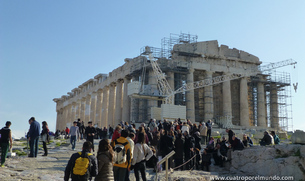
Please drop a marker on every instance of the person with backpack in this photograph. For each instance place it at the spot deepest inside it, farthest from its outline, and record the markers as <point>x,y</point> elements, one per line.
<point>82,165</point>
<point>105,156</point>
<point>5,140</point>
<point>141,154</point>
<point>122,156</point>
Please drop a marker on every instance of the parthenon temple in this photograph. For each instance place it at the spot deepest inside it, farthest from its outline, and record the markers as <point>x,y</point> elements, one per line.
<point>259,100</point>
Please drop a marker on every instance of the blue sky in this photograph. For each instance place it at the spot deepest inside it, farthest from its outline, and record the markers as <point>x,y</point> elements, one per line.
<point>47,48</point>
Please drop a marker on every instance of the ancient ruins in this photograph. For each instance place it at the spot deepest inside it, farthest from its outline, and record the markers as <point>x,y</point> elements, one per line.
<point>257,100</point>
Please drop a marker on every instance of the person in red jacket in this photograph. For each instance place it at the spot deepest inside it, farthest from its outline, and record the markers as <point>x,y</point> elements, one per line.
<point>67,132</point>
<point>117,133</point>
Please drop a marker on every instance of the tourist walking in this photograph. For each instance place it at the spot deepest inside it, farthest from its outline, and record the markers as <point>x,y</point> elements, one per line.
<point>74,134</point>
<point>82,165</point>
<point>90,132</point>
<point>110,131</point>
<point>6,141</point>
<point>122,155</point>
<point>105,161</point>
<point>141,154</point>
<point>45,137</point>
<point>34,133</point>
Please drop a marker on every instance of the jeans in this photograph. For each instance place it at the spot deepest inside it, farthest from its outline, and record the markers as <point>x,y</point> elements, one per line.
<point>4,150</point>
<point>72,141</point>
<point>140,167</point>
<point>34,146</point>
<point>119,173</point>
<point>45,148</point>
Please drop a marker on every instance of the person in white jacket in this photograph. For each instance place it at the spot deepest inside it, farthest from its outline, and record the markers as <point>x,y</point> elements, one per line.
<point>141,154</point>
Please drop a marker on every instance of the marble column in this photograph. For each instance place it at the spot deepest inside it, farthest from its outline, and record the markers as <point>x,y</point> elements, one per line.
<point>73,112</point>
<point>152,81</point>
<point>69,115</point>
<point>126,101</point>
<point>104,120</point>
<point>77,109</point>
<point>98,109</point>
<point>111,104</point>
<point>208,99</point>
<point>83,109</point>
<point>190,101</point>
<point>134,105</point>
<point>93,108</point>
<point>171,82</point>
<point>274,112</point>
<point>261,105</point>
<point>87,109</point>
<point>227,101</point>
<point>118,103</point>
<point>58,120</point>
<point>244,104</point>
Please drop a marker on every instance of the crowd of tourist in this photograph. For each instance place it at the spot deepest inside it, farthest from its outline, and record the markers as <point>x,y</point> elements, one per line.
<point>127,147</point>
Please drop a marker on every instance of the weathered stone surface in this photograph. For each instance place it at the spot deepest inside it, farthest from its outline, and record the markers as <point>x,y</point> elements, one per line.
<point>280,160</point>
<point>298,137</point>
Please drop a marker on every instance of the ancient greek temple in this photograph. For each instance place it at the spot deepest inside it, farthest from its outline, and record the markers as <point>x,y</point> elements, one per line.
<point>251,101</point>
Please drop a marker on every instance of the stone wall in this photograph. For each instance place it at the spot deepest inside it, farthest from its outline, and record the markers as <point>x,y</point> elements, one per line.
<point>279,160</point>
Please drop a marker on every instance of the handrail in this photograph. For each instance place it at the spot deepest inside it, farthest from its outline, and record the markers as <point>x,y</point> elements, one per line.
<point>165,159</point>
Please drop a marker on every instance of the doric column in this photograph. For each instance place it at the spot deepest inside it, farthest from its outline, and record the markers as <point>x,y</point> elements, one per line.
<point>118,103</point>
<point>152,81</point>
<point>83,109</point>
<point>65,117</point>
<point>126,101</point>
<point>261,105</point>
<point>134,105</point>
<point>244,105</point>
<point>73,112</point>
<point>171,82</point>
<point>105,107</point>
<point>69,114</point>
<point>77,109</point>
<point>58,119</point>
<point>190,102</point>
<point>227,104</point>
<point>274,112</point>
<point>93,107</point>
<point>98,109</point>
<point>111,104</point>
<point>208,99</point>
<point>87,109</point>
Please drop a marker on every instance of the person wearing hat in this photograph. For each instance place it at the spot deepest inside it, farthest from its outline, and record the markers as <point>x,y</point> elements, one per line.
<point>90,132</point>
<point>74,133</point>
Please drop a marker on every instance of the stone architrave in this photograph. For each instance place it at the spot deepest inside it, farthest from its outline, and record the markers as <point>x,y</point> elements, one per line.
<point>126,101</point>
<point>87,109</point>
<point>104,120</point>
<point>261,105</point>
<point>111,103</point>
<point>98,110</point>
<point>244,105</point>
<point>93,107</point>
<point>227,101</point>
<point>118,103</point>
<point>208,99</point>
<point>190,101</point>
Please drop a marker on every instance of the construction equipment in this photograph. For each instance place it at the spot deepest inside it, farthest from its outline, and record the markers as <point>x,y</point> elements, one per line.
<point>171,111</point>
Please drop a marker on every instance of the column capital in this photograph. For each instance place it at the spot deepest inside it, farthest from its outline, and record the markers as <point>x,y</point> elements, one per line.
<point>99,91</point>
<point>191,70</point>
<point>120,81</point>
<point>209,73</point>
<point>112,84</point>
